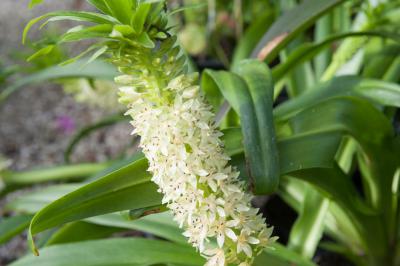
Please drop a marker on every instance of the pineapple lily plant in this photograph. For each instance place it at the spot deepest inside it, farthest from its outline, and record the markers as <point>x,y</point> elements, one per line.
<point>193,180</point>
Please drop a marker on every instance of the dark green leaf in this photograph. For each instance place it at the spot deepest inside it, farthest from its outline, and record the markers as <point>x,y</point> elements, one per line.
<point>318,149</point>
<point>127,188</point>
<point>250,95</point>
<point>380,92</point>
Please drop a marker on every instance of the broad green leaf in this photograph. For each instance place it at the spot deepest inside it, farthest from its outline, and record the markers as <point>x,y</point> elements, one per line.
<point>380,92</point>
<point>289,25</point>
<point>250,95</point>
<point>159,224</point>
<point>357,117</point>
<point>318,149</point>
<point>80,231</point>
<point>12,226</point>
<point>96,69</point>
<point>84,132</point>
<point>117,251</point>
<point>127,188</point>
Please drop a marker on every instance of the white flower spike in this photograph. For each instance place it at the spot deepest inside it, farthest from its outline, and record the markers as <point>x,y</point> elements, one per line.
<point>186,158</point>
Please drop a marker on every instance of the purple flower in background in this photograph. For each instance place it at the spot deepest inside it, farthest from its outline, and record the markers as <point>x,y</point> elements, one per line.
<point>65,124</point>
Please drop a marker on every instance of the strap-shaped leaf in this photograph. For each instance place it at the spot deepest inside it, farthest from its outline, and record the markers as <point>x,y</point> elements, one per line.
<point>80,231</point>
<point>127,188</point>
<point>250,94</point>
<point>380,92</point>
<point>117,251</point>
<point>357,117</point>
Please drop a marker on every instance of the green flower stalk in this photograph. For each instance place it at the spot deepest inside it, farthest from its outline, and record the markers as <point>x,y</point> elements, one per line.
<point>178,134</point>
